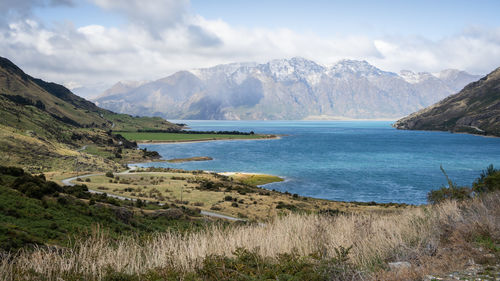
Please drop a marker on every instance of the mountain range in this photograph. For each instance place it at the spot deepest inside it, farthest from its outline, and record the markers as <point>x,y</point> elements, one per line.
<point>475,109</point>
<point>290,89</point>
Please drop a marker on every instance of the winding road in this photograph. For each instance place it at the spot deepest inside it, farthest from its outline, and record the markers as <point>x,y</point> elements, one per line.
<point>69,182</point>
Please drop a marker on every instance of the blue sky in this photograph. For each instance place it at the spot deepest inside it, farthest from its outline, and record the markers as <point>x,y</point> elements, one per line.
<point>433,19</point>
<point>95,43</point>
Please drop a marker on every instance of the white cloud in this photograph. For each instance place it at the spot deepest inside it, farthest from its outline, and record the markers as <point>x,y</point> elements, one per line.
<point>163,37</point>
<point>155,15</point>
<point>22,9</point>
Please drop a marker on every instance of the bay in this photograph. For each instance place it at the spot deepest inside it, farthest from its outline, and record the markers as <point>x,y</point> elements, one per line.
<point>341,160</point>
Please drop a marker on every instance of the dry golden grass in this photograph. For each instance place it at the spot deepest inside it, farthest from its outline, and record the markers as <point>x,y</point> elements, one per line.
<point>173,187</point>
<point>37,154</point>
<point>431,238</point>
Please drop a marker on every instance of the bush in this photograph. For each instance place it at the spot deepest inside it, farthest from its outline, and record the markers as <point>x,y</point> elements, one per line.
<point>452,192</point>
<point>488,181</point>
<point>210,185</point>
<point>234,204</point>
<point>35,186</point>
<point>250,265</point>
<point>109,174</point>
<point>282,205</point>
<point>139,203</point>
<point>331,212</point>
<point>215,208</point>
<point>79,190</point>
<point>62,200</point>
<point>11,171</point>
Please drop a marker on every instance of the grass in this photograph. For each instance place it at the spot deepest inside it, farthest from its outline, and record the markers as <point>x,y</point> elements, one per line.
<point>182,160</point>
<point>125,122</point>
<point>98,151</point>
<point>34,211</point>
<point>216,193</point>
<point>179,137</point>
<point>256,179</point>
<point>432,238</point>
<point>44,124</point>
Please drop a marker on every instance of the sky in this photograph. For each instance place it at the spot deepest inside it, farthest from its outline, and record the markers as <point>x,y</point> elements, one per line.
<point>88,45</point>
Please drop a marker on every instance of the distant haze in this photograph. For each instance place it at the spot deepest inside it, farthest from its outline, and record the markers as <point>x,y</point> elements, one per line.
<point>285,89</point>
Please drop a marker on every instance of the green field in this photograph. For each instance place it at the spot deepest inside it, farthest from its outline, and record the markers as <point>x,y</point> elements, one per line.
<point>179,137</point>
<point>256,179</point>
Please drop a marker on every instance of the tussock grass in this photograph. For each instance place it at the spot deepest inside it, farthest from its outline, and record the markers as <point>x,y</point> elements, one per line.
<point>422,236</point>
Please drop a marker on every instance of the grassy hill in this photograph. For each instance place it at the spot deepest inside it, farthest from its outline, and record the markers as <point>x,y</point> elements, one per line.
<point>43,125</point>
<point>475,109</point>
<point>61,104</point>
<point>34,211</point>
<point>83,236</point>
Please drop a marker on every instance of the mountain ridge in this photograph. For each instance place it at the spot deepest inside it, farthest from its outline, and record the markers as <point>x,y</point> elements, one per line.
<point>44,126</point>
<point>294,88</point>
<point>475,109</point>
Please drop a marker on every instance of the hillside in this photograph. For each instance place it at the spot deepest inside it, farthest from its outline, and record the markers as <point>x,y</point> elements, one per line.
<point>289,89</point>
<point>88,236</point>
<point>475,109</point>
<point>36,211</point>
<point>43,124</point>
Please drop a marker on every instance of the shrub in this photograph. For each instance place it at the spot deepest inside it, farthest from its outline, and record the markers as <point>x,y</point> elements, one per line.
<point>209,185</point>
<point>109,174</point>
<point>250,265</point>
<point>282,205</point>
<point>228,198</point>
<point>11,171</point>
<point>62,200</point>
<point>80,191</point>
<point>234,204</point>
<point>452,192</point>
<point>331,212</point>
<point>488,181</point>
<point>35,186</point>
<point>139,203</point>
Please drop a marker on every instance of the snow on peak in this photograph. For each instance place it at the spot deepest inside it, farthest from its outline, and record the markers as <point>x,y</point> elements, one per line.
<point>414,78</point>
<point>221,69</point>
<point>360,68</point>
<point>296,68</point>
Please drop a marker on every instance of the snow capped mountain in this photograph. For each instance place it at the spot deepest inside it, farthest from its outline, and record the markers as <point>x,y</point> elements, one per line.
<point>358,68</point>
<point>415,78</point>
<point>221,70</point>
<point>294,88</point>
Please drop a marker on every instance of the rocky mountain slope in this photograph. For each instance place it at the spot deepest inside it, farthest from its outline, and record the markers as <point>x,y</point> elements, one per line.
<point>475,109</point>
<point>285,89</point>
<point>43,124</point>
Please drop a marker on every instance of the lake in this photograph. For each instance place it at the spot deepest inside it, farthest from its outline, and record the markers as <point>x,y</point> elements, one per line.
<point>341,160</point>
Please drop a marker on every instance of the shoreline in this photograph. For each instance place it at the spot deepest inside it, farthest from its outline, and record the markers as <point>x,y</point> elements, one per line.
<point>273,137</point>
<point>450,132</point>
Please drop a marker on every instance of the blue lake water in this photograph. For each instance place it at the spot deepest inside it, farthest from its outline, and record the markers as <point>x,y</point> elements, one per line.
<point>342,160</point>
